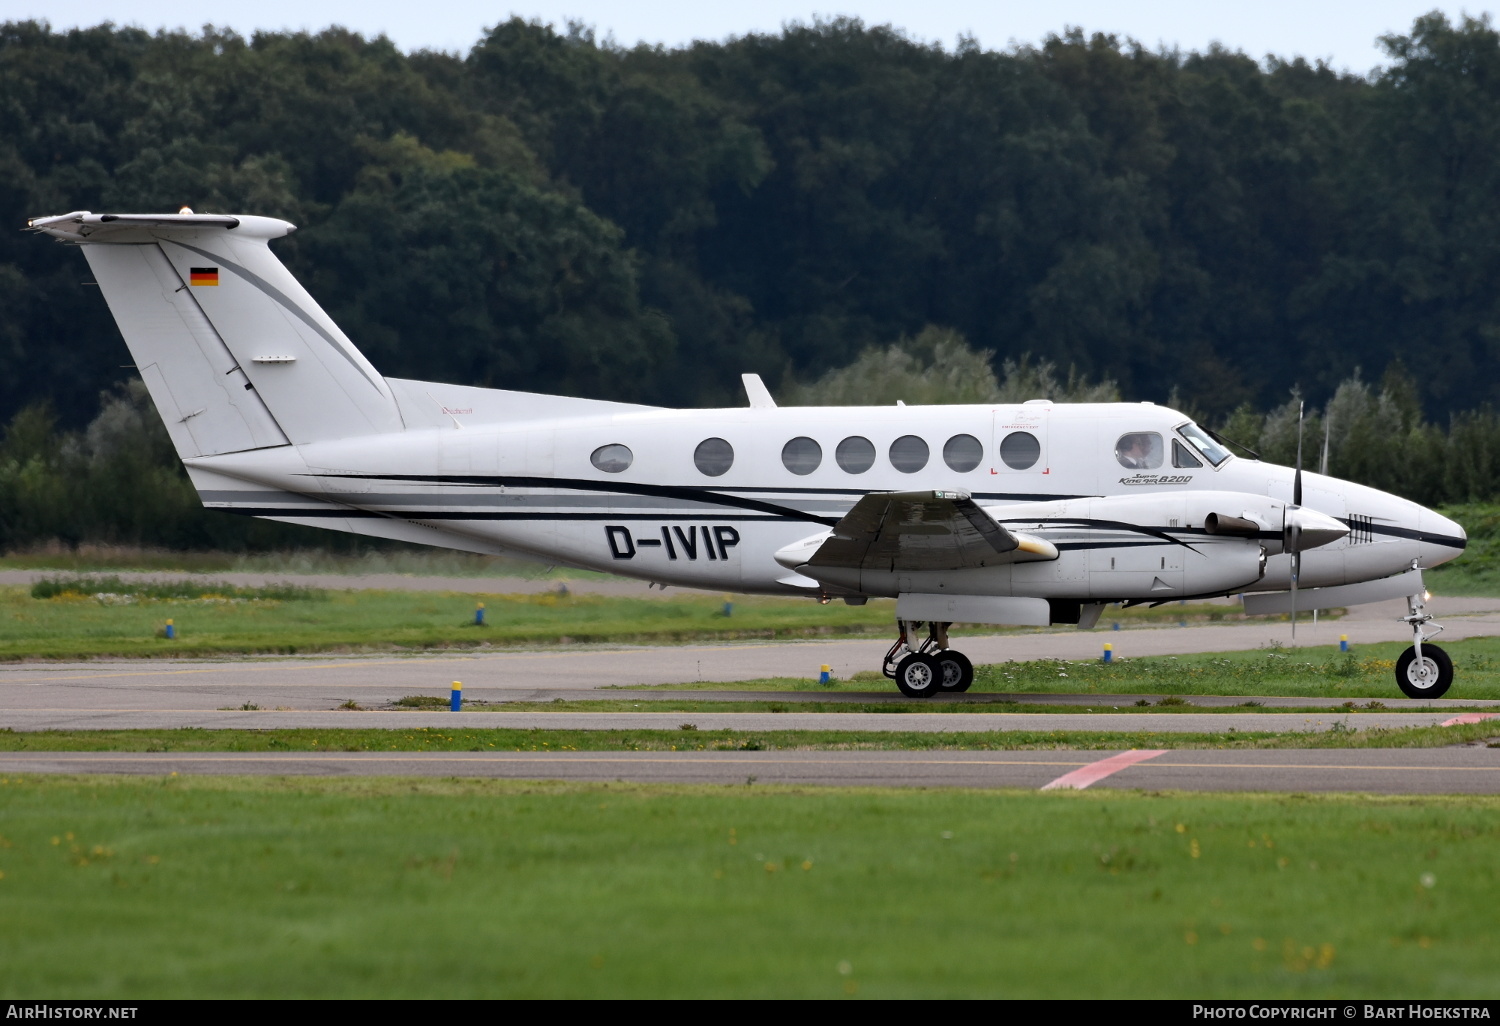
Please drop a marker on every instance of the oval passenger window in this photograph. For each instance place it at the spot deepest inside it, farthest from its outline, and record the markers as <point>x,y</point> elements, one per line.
<point>801,455</point>
<point>855,454</point>
<point>909,454</point>
<point>963,453</point>
<point>612,458</point>
<point>1020,450</point>
<point>1140,450</point>
<point>714,456</point>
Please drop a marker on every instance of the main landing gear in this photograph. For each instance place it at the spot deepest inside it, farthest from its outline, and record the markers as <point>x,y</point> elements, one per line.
<point>930,667</point>
<point>1423,671</point>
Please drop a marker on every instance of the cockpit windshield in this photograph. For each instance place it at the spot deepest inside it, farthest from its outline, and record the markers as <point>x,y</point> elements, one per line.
<point>1198,438</point>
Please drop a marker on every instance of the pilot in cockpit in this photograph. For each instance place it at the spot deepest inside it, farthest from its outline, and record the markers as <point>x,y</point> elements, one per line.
<point>1139,450</point>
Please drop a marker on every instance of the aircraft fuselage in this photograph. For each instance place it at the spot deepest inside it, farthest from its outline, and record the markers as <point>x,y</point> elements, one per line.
<point>531,488</point>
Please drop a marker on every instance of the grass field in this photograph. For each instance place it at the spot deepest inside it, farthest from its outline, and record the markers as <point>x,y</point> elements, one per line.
<point>1362,674</point>
<point>389,558</point>
<point>1477,570</point>
<point>79,625</point>
<point>689,738</point>
<point>103,616</point>
<point>233,887</point>
<point>634,703</point>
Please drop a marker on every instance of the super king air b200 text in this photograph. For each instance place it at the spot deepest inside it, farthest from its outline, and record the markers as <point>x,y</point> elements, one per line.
<point>1033,514</point>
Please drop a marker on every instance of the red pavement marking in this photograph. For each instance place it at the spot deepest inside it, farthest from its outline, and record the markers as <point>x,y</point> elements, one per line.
<point>1469,718</point>
<point>1097,771</point>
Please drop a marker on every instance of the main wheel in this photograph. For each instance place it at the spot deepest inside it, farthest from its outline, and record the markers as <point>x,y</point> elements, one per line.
<point>958,672</point>
<point>1428,677</point>
<point>919,676</point>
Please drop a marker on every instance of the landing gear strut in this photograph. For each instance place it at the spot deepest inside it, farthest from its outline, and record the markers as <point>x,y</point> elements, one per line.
<point>930,667</point>
<point>1423,671</point>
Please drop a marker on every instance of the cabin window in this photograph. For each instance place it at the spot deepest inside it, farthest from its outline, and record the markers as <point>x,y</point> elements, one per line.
<point>909,454</point>
<point>963,453</point>
<point>1020,450</point>
<point>801,456</point>
<point>612,458</point>
<point>1182,459</point>
<point>1139,450</point>
<point>1200,440</point>
<point>855,454</point>
<point>713,457</point>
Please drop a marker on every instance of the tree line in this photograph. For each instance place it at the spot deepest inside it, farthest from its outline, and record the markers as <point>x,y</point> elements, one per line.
<point>834,203</point>
<point>553,212</point>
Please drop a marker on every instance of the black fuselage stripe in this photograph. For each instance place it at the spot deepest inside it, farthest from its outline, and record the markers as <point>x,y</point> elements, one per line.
<point>1118,525</point>
<point>691,493</point>
<point>1391,530</point>
<point>334,513</point>
<point>600,517</point>
<point>623,488</point>
<point>1081,546</point>
<point>768,510</point>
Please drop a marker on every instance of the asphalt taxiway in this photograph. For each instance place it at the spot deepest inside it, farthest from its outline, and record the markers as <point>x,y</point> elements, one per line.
<point>322,692</point>
<point>1378,771</point>
<point>1174,722</point>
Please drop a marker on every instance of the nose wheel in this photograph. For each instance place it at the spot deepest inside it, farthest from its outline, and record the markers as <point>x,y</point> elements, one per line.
<point>1424,670</point>
<point>1428,675</point>
<point>929,668</point>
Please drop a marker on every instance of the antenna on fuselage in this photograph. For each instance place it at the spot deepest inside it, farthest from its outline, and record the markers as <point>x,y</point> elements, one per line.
<point>1327,426</point>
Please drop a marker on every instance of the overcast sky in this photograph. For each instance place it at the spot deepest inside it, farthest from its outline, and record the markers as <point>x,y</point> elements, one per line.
<point>1340,31</point>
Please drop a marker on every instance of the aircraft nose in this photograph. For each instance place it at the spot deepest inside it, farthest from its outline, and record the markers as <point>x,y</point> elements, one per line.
<point>1440,539</point>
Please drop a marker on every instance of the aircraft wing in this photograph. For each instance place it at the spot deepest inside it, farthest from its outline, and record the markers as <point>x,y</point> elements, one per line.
<point>932,530</point>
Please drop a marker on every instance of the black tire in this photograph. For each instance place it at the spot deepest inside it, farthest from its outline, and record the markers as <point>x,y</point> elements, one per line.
<point>919,676</point>
<point>1431,679</point>
<point>957,671</point>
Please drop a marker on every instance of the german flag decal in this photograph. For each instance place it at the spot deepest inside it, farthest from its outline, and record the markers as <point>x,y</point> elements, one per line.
<point>203,275</point>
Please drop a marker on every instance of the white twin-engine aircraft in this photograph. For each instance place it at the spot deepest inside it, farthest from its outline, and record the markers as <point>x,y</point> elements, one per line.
<point>1033,514</point>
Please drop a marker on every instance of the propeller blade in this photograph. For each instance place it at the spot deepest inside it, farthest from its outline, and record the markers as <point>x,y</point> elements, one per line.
<point>1296,573</point>
<point>1297,481</point>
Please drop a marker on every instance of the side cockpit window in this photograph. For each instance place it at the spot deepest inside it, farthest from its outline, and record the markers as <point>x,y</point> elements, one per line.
<point>1139,450</point>
<point>1182,459</point>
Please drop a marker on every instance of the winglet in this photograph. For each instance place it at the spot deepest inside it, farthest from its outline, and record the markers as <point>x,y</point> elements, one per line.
<point>757,392</point>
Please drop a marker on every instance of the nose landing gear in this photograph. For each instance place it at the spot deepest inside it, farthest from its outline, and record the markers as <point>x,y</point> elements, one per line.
<point>1423,671</point>
<point>930,667</point>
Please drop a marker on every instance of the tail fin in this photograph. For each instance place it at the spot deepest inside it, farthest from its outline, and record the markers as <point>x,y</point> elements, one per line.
<point>234,351</point>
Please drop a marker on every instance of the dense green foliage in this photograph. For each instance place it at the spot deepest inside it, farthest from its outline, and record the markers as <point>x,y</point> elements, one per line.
<point>554,213</point>
<point>857,216</point>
